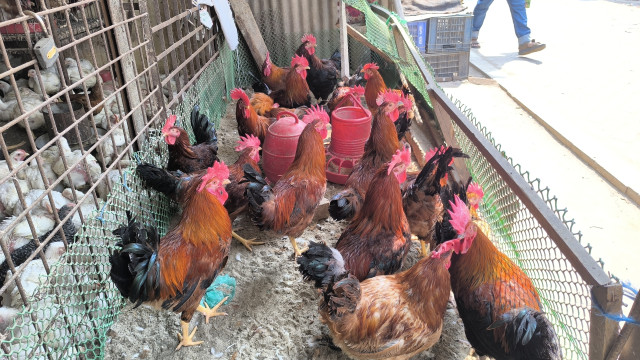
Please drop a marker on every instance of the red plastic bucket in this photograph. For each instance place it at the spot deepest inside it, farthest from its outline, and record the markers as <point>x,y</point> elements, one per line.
<point>280,143</point>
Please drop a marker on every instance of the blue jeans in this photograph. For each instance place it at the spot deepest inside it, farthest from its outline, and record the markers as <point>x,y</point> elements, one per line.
<point>518,15</point>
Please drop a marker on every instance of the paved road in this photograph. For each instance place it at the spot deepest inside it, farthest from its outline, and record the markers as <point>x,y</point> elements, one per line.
<point>584,89</point>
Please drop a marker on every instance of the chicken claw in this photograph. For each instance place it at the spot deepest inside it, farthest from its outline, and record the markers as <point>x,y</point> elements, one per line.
<point>186,339</point>
<point>296,250</point>
<point>211,312</point>
<point>246,242</point>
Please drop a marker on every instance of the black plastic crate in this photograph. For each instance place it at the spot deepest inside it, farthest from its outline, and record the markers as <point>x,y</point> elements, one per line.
<point>449,33</point>
<point>449,66</point>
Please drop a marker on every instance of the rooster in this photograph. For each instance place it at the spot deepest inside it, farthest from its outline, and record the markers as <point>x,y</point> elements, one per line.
<point>385,317</point>
<point>342,93</point>
<point>324,74</point>
<point>296,92</point>
<point>249,122</point>
<point>378,238</point>
<point>173,183</point>
<point>376,86</point>
<point>496,300</point>
<point>186,157</point>
<point>378,150</point>
<point>288,207</point>
<point>421,198</point>
<point>175,271</point>
<point>272,75</point>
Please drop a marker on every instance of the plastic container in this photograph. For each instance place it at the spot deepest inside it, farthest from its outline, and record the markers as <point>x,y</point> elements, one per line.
<point>350,129</point>
<point>449,66</point>
<point>280,143</point>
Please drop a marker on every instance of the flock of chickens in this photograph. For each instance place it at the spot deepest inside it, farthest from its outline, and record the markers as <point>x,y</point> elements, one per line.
<point>372,310</point>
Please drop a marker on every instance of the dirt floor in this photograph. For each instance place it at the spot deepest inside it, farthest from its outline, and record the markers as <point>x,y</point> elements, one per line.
<point>274,313</point>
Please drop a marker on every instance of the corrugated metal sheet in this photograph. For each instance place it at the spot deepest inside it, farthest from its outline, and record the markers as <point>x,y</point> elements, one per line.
<point>302,15</point>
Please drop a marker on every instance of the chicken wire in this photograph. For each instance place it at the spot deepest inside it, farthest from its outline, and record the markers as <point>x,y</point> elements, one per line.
<point>565,296</point>
<point>147,63</point>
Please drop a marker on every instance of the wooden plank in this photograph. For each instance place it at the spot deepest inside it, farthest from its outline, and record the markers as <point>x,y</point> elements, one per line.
<point>603,332</point>
<point>344,43</point>
<point>357,35</point>
<point>250,30</point>
<point>627,345</point>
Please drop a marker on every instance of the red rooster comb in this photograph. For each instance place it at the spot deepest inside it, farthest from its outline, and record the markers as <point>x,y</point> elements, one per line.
<point>247,142</point>
<point>357,90</point>
<point>171,121</point>
<point>370,66</point>
<point>388,96</point>
<point>400,157</point>
<point>218,171</point>
<point>462,224</point>
<point>299,60</point>
<point>316,112</point>
<point>309,38</point>
<point>433,152</point>
<point>238,93</point>
<point>474,195</point>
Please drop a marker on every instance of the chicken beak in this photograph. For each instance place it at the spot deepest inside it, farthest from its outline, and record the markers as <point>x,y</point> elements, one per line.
<point>306,68</point>
<point>226,181</point>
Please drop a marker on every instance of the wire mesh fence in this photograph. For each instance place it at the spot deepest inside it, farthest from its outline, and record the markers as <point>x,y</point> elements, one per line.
<point>121,67</point>
<point>158,59</point>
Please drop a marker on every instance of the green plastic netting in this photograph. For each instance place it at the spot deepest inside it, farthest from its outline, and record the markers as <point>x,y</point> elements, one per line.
<point>74,307</point>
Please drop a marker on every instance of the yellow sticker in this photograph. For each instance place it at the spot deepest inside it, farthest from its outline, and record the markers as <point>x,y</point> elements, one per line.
<point>52,52</point>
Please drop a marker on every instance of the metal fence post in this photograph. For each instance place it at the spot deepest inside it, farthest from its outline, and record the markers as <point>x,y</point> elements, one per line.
<point>603,331</point>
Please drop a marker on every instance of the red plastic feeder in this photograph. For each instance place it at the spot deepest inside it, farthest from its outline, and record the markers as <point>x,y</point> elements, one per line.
<point>350,129</point>
<point>280,144</point>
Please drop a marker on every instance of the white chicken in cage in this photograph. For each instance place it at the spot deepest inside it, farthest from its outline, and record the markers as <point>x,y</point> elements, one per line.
<point>44,205</point>
<point>9,195</point>
<point>81,172</point>
<point>30,103</point>
<point>74,73</point>
<point>50,79</point>
<point>47,158</point>
<point>87,206</point>
<point>17,158</point>
<point>6,109</point>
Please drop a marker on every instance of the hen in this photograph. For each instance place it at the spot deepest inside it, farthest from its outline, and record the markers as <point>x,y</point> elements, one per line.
<point>341,97</point>
<point>296,91</point>
<point>186,157</point>
<point>378,150</point>
<point>375,86</point>
<point>385,317</point>
<point>421,198</point>
<point>378,238</point>
<point>73,70</point>
<point>175,271</point>
<point>92,100</point>
<point>249,122</point>
<point>172,184</point>
<point>498,304</point>
<point>288,206</point>
<point>324,74</point>
<point>50,80</point>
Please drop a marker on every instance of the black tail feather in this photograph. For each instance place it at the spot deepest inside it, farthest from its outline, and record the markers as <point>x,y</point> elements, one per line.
<point>257,192</point>
<point>443,229</point>
<point>336,57</point>
<point>434,170</point>
<point>322,265</point>
<point>530,332</point>
<point>343,205</point>
<point>166,182</point>
<point>203,129</point>
<point>134,269</point>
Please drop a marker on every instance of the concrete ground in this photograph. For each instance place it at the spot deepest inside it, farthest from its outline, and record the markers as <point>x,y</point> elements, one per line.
<point>567,113</point>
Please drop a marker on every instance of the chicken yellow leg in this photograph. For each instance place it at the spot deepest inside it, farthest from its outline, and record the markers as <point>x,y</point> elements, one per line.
<point>246,242</point>
<point>211,312</point>
<point>296,250</point>
<point>186,339</point>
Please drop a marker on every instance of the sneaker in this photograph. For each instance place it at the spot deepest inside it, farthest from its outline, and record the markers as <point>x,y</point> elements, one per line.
<point>530,47</point>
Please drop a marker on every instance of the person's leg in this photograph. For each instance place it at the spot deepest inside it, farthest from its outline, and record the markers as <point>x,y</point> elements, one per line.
<point>479,13</point>
<point>519,17</point>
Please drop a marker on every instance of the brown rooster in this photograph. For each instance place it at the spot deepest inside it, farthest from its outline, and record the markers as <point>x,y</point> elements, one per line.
<point>272,75</point>
<point>376,86</point>
<point>378,150</point>
<point>385,317</point>
<point>378,238</point>
<point>498,304</point>
<point>421,197</point>
<point>288,207</point>
<point>174,271</point>
<point>324,74</point>
<point>186,157</point>
<point>249,122</point>
<point>172,183</point>
<point>296,92</point>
